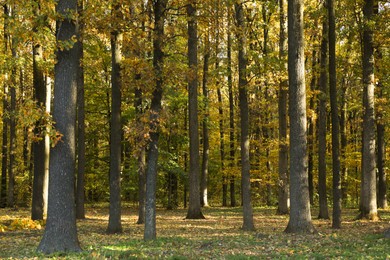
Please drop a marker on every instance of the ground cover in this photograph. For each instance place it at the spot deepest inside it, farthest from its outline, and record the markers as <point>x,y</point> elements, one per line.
<point>218,236</point>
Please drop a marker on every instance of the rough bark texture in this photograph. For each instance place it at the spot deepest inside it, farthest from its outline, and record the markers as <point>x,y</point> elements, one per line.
<point>206,142</point>
<point>336,220</point>
<point>38,147</point>
<point>323,97</point>
<point>194,207</point>
<point>140,159</point>
<point>80,193</point>
<point>155,108</point>
<point>300,216</point>
<point>283,196</point>
<point>368,194</point>
<point>244,116</point>
<point>4,147</point>
<point>114,221</point>
<point>61,232</point>
<point>231,112</point>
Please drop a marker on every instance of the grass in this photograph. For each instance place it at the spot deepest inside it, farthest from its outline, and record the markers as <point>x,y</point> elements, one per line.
<point>217,237</point>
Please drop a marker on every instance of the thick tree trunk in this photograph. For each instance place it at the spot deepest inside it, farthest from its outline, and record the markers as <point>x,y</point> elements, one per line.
<point>336,220</point>
<point>61,232</point>
<point>114,221</point>
<point>368,195</point>
<point>194,207</point>
<point>323,97</point>
<point>300,216</point>
<point>283,198</point>
<point>244,116</point>
<point>155,108</point>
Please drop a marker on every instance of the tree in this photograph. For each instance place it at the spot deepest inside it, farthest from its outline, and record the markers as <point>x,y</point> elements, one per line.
<point>40,148</point>
<point>244,115</point>
<point>114,221</point>
<point>368,194</point>
<point>60,234</point>
<point>323,97</point>
<point>336,220</point>
<point>205,126</point>
<point>194,207</point>
<point>283,200</point>
<point>80,182</point>
<point>159,7</point>
<point>300,216</point>
<point>4,147</point>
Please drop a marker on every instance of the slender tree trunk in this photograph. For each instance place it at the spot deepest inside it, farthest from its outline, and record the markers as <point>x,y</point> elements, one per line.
<point>206,142</point>
<point>244,116</point>
<point>194,208</point>
<point>37,211</point>
<point>141,158</point>
<point>4,149</point>
<point>300,216</point>
<point>114,221</point>
<point>155,108</point>
<point>61,232</point>
<point>80,190</point>
<point>311,132</point>
<point>368,196</point>
<point>344,143</point>
<point>231,111</point>
<point>336,220</point>
<point>323,199</point>
<point>283,198</point>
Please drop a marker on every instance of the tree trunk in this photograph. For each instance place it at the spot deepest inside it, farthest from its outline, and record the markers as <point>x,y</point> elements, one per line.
<point>38,147</point>
<point>368,195</point>
<point>194,207</point>
<point>336,220</point>
<point>283,199</point>
<point>140,158</point>
<point>206,142</point>
<point>231,112</point>
<point>114,221</point>
<point>4,149</point>
<point>61,232</point>
<point>323,199</point>
<point>311,121</point>
<point>80,193</point>
<point>244,116</point>
<point>300,216</point>
<point>155,108</point>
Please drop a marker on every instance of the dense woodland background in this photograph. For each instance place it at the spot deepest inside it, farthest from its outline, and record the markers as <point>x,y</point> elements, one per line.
<point>134,51</point>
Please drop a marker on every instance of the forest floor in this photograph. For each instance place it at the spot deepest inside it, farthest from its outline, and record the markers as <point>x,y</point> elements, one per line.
<point>217,237</point>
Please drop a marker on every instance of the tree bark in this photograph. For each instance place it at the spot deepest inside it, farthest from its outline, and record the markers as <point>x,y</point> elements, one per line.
<point>300,216</point>
<point>4,148</point>
<point>336,220</point>
<point>231,112</point>
<point>283,198</point>
<point>206,142</point>
<point>244,116</point>
<point>194,207</point>
<point>114,220</point>
<point>38,147</point>
<point>80,189</point>
<point>155,108</point>
<point>368,194</point>
<point>323,97</point>
<point>61,232</point>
